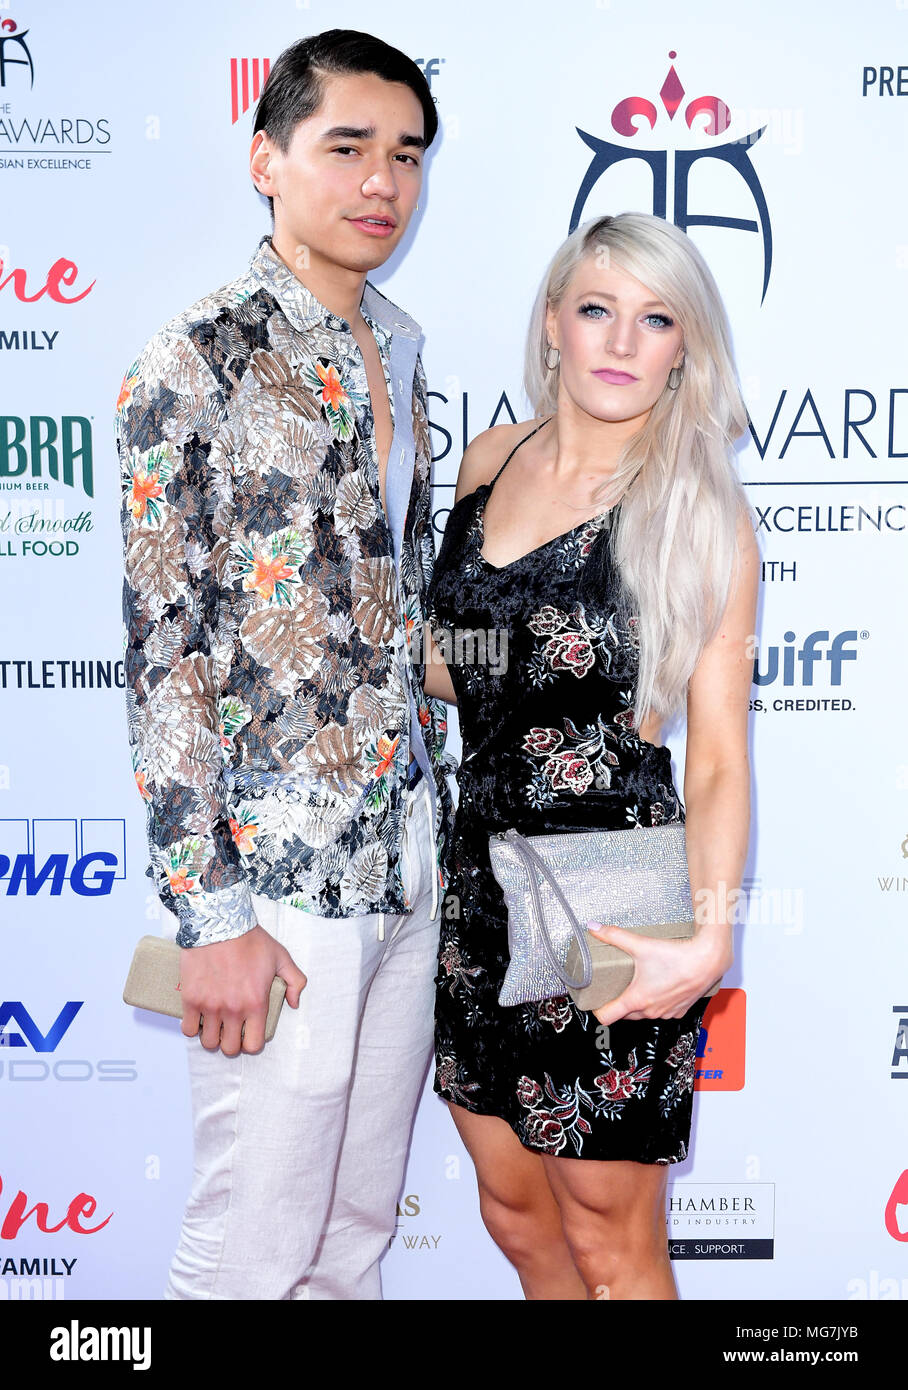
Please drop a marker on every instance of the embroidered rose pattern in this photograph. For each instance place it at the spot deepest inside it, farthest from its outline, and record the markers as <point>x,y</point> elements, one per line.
<point>549,745</point>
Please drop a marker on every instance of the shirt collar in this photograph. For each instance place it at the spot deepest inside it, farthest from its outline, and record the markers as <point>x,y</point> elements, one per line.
<point>305,311</point>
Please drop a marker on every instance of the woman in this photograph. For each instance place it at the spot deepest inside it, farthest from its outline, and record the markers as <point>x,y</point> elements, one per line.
<point>609,544</point>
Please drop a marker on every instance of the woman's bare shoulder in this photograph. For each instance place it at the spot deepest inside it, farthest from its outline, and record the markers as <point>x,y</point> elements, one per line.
<point>486,453</point>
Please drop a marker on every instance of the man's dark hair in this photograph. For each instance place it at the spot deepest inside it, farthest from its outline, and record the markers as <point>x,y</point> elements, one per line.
<point>294,88</point>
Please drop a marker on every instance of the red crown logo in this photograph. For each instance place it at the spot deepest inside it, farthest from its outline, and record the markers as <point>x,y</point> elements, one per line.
<point>671,94</point>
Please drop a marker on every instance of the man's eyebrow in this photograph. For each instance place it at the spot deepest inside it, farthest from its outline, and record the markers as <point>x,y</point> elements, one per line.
<point>352,132</point>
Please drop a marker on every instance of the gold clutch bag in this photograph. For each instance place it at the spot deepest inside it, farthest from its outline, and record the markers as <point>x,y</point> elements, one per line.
<point>613,969</point>
<point>153,982</point>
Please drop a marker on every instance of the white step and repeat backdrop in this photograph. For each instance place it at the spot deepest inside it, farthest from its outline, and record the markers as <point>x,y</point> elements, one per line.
<point>775,136</point>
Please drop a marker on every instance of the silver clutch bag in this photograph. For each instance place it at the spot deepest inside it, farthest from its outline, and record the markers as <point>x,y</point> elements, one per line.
<point>554,884</point>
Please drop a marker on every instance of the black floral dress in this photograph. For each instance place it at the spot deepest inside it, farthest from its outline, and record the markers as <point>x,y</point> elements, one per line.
<point>544,676</point>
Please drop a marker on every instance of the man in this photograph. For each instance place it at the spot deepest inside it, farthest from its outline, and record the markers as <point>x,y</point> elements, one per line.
<point>278,547</point>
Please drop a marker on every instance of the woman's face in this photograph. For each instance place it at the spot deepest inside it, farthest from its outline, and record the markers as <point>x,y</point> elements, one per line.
<point>618,343</point>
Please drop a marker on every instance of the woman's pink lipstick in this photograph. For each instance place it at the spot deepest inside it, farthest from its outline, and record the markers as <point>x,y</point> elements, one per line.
<point>615,378</point>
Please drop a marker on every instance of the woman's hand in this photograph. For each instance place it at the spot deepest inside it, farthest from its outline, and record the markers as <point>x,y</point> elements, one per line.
<point>669,975</point>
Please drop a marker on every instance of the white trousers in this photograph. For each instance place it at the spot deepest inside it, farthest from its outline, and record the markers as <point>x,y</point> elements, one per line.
<point>300,1149</point>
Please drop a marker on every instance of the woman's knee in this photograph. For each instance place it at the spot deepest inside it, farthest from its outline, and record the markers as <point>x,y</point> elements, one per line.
<point>521,1228</point>
<point>604,1239</point>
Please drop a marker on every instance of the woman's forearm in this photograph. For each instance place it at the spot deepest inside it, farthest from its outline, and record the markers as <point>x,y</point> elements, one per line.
<point>717,829</point>
<point>437,678</point>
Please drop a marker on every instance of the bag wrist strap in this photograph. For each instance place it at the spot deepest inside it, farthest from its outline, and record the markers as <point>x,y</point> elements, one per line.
<point>532,860</point>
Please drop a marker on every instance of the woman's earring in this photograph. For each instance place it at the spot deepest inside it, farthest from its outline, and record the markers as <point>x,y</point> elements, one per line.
<point>552,365</point>
<point>673,385</point>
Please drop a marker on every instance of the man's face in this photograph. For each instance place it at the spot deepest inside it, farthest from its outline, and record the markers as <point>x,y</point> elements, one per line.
<point>359,156</point>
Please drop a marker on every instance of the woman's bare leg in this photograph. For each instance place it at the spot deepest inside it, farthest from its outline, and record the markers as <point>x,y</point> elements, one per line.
<point>613,1216</point>
<point>518,1207</point>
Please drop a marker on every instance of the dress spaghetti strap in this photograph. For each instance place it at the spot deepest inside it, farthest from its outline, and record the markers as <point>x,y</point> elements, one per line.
<point>514,451</point>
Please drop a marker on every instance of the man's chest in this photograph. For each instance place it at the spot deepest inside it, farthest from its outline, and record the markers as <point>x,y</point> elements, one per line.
<point>380,404</point>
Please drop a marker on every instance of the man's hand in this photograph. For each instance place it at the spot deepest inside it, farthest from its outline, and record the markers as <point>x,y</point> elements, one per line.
<point>226,985</point>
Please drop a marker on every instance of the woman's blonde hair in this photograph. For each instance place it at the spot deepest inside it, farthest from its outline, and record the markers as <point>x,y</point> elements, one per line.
<point>673,541</point>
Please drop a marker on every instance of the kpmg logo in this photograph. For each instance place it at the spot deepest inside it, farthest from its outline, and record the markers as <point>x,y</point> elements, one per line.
<point>39,856</point>
<point>30,1035</point>
<point>14,52</point>
<point>628,119</point>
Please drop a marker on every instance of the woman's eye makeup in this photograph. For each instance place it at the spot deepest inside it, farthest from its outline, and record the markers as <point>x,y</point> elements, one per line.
<point>664,320</point>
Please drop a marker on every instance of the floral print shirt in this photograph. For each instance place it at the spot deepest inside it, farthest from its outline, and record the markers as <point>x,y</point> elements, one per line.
<point>269,601</point>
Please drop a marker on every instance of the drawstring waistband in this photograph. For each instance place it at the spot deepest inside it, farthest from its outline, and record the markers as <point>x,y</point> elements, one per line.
<point>435,871</point>
<point>428,801</point>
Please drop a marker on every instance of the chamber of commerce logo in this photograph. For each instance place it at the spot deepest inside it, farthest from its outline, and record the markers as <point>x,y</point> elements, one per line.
<point>44,856</point>
<point>14,53</point>
<point>721,1221</point>
<point>721,1044</point>
<point>630,118</point>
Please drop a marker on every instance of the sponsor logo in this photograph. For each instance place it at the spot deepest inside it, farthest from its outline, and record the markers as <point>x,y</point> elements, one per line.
<point>896,1213</point>
<point>27,1033</point>
<point>38,446</point>
<point>900,1050</point>
<point>249,75</point>
<point>18,1212</point>
<point>721,1221</point>
<point>14,1011</point>
<point>431,67</point>
<point>43,856</point>
<point>56,674</point>
<point>34,1279</point>
<point>409,1233</point>
<point>247,78</point>
<point>636,118</point>
<point>817,653</point>
<point>896,883</point>
<point>15,54</point>
<point>49,143</point>
<point>721,1044</point>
